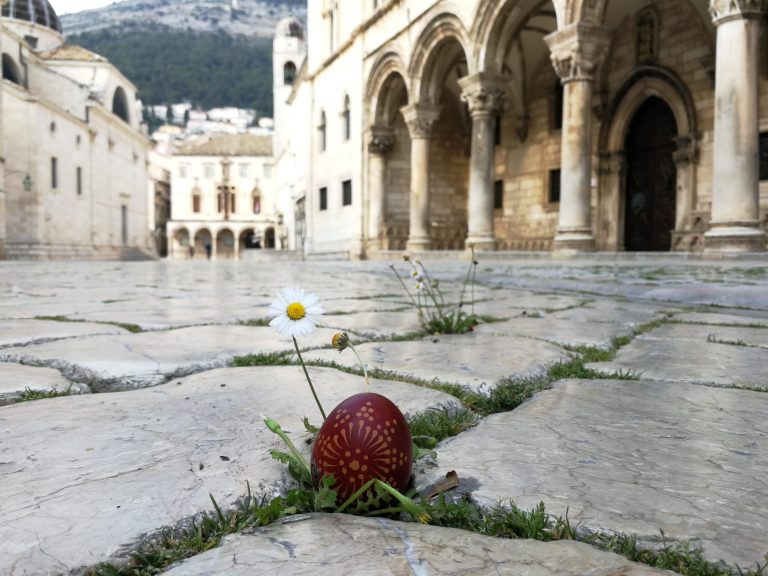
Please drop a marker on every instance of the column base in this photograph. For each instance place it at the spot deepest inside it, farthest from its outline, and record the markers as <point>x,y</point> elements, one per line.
<point>481,243</point>
<point>574,241</point>
<point>418,244</point>
<point>737,237</point>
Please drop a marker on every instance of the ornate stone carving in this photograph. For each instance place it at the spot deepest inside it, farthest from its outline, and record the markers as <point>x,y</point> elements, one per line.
<point>687,151</point>
<point>381,141</point>
<point>420,118</point>
<point>484,93</point>
<point>612,163</point>
<point>577,51</point>
<point>725,10</point>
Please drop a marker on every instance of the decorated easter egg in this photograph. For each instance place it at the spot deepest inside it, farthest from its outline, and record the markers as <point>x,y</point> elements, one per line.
<point>364,437</point>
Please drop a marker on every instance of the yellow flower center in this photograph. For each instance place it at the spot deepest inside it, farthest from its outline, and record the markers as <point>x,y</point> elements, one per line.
<point>296,311</point>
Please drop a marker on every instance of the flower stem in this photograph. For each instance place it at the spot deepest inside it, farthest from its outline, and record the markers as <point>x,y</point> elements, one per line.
<point>275,428</point>
<point>309,380</point>
<point>362,365</point>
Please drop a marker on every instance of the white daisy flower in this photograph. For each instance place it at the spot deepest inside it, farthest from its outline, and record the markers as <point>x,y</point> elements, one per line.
<point>295,313</point>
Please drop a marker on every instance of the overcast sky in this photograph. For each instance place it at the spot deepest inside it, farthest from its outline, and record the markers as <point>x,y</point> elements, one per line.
<point>66,6</point>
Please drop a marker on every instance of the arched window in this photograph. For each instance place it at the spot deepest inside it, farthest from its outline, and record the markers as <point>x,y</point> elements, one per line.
<point>256,201</point>
<point>120,105</point>
<point>196,201</point>
<point>289,73</point>
<point>347,119</point>
<point>322,129</point>
<point>10,70</point>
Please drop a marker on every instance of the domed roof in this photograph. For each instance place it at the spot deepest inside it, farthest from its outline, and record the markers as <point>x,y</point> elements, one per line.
<point>37,11</point>
<point>290,28</point>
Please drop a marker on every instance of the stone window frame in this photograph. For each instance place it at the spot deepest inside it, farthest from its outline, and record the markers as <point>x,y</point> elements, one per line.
<point>547,180</point>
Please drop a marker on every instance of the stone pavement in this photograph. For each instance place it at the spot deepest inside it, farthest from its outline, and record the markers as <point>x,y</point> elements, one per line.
<point>683,449</point>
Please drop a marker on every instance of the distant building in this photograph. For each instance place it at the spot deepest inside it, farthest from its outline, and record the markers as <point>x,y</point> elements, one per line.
<point>292,128</point>
<point>75,159</point>
<point>223,200</point>
<point>565,125</point>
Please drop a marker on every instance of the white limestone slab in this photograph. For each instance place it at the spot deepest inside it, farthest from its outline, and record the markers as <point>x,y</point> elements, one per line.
<point>477,361</point>
<point>343,544</point>
<point>84,476</point>
<point>23,332</point>
<point>506,303</point>
<point>735,335</point>
<point>375,324</point>
<point>121,362</point>
<point>16,378</point>
<point>748,319</point>
<point>630,456</point>
<point>558,331</point>
<point>614,312</point>
<point>690,361</point>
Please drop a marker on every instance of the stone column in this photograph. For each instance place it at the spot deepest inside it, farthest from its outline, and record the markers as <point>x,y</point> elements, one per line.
<point>420,119</point>
<point>734,225</point>
<point>3,248</point>
<point>484,94</point>
<point>379,146</point>
<point>576,53</point>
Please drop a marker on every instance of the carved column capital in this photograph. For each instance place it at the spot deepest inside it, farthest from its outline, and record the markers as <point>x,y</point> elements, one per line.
<point>484,93</point>
<point>726,10</point>
<point>687,150</point>
<point>612,163</point>
<point>381,141</point>
<point>578,51</point>
<point>420,118</point>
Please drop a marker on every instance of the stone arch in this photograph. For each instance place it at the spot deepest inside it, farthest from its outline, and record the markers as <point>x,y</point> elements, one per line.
<point>289,73</point>
<point>388,67</point>
<point>11,70</point>
<point>429,61</point>
<point>249,239</point>
<point>494,22</point>
<point>180,242</point>
<point>225,244</point>
<point>269,238</point>
<point>644,83</point>
<point>120,105</point>
<point>203,243</point>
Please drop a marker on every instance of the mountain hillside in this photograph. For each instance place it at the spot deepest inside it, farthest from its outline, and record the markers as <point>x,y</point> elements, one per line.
<point>206,68</point>
<point>209,52</point>
<point>250,18</point>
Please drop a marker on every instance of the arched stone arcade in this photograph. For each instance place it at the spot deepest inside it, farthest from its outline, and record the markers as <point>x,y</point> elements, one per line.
<point>493,161</point>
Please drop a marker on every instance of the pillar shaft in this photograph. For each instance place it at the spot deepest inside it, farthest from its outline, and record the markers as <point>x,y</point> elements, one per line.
<point>420,119</point>
<point>734,224</point>
<point>378,147</point>
<point>576,53</point>
<point>484,94</point>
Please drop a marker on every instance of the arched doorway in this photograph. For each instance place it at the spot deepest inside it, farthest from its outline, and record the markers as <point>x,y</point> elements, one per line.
<point>249,239</point>
<point>651,181</point>
<point>225,245</point>
<point>439,62</point>
<point>269,238</point>
<point>203,244</point>
<point>180,246</point>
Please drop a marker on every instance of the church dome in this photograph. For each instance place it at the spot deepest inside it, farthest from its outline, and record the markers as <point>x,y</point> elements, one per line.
<point>36,11</point>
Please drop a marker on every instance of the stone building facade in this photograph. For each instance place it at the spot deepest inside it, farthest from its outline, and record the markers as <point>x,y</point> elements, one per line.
<point>74,155</point>
<point>566,125</point>
<point>223,202</point>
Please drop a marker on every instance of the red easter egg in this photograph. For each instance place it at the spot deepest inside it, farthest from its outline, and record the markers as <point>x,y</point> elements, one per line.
<point>364,437</point>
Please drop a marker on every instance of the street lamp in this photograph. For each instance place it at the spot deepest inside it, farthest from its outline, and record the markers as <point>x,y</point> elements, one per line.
<point>27,182</point>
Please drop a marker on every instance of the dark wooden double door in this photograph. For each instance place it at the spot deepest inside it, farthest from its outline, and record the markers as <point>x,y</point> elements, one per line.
<point>651,182</point>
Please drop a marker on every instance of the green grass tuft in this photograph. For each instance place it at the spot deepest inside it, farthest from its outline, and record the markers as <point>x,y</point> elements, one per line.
<point>436,424</point>
<point>268,359</point>
<point>29,395</point>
